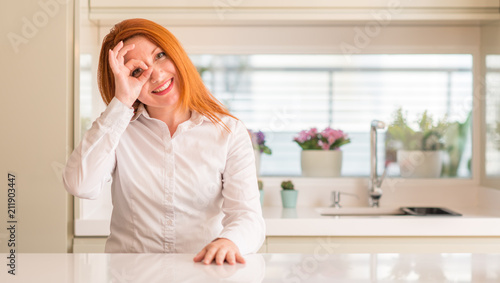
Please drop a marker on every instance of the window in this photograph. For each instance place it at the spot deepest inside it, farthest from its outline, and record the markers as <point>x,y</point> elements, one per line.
<point>284,94</point>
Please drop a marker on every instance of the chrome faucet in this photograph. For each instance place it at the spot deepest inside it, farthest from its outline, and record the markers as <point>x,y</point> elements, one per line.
<point>335,198</point>
<point>374,190</point>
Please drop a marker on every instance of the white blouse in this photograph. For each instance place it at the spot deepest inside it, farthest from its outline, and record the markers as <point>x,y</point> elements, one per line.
<point>170,194</point>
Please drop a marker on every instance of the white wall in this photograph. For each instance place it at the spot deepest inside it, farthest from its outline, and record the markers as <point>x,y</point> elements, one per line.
<point>325,39</point>
<point>36,128</point>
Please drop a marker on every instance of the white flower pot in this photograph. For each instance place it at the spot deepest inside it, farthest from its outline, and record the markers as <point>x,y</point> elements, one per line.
<point>321,163</point>
<point>257,160</point>
<point>420,164</point>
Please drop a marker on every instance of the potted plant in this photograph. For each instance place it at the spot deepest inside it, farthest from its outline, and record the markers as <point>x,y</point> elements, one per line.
<point>259,146</point>
<point>288,194</point>
<point>321,155</point>
<point>419,152</point>
<point>455,140</point>
<point>261,192</point>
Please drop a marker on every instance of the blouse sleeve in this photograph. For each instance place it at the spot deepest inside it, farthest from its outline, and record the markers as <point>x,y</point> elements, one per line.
<point>92,162</point>
<point>243,222</point>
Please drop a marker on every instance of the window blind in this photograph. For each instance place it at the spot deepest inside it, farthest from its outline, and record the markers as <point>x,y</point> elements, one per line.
<point>284,94</point>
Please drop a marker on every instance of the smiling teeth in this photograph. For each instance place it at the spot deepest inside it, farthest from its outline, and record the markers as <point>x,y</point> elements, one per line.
<point>164,87</point>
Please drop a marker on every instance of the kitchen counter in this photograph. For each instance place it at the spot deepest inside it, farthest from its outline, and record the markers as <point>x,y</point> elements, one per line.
<point>306,221</point>
<point>316,268</point>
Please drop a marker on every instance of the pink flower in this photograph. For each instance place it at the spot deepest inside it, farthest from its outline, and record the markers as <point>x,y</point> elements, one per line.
<point>339,134</point>
<point>302,137</point>
<point>324,146</point>
<point>331,133</point>
<point>313,132</point>
<point>328,139</point>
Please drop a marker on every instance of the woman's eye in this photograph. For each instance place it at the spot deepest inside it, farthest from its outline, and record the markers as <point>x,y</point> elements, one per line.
<point>160,55</point>
<point>136,73</point>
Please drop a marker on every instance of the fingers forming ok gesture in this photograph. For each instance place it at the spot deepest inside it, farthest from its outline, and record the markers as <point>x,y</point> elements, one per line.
<point>130,77</point>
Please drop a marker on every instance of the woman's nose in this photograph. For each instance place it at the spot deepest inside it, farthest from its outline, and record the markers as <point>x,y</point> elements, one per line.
<point>157,74</point>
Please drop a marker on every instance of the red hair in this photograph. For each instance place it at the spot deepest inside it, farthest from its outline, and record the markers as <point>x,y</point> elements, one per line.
<point>193,93</point>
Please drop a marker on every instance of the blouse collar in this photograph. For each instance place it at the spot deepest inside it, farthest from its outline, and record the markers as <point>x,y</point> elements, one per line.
<point>195,119</point>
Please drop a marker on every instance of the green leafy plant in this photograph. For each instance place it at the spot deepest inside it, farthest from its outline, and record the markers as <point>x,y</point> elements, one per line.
<point>261,185</point>
<point>493,129</point>
<point>455,139</point>
<point>497,131</point>
<point>287,185</point>
<point>428,136</point>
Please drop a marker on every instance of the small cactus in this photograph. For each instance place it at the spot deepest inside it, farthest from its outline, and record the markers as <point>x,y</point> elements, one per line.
<point>261,185</point>
<point>287,185</point>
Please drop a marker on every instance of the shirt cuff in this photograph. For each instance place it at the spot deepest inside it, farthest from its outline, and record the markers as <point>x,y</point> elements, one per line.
<point>248,239</point>
<point>237,240</point>
<point>117,114</point>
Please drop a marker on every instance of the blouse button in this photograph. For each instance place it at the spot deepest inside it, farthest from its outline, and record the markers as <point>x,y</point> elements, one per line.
<point>169,149</point>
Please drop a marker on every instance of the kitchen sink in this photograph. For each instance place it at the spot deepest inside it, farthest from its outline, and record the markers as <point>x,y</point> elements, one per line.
<point>387,211</point>
<point>360,211</point>
<point>429,211</point>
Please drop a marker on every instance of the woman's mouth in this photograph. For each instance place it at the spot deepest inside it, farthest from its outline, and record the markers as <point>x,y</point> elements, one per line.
<point>164,88</point>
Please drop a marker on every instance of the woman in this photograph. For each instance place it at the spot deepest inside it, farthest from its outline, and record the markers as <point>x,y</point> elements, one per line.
<point>183,170</point>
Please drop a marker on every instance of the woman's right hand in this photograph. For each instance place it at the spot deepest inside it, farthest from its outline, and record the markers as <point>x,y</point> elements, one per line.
<point>127,87</point>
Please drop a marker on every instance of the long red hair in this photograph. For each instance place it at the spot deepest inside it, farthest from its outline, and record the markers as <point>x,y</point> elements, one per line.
<point>193,93</point>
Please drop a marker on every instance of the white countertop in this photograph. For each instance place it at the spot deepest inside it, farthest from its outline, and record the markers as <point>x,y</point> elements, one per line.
<point>306,221</point>
<point>150,268</point>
